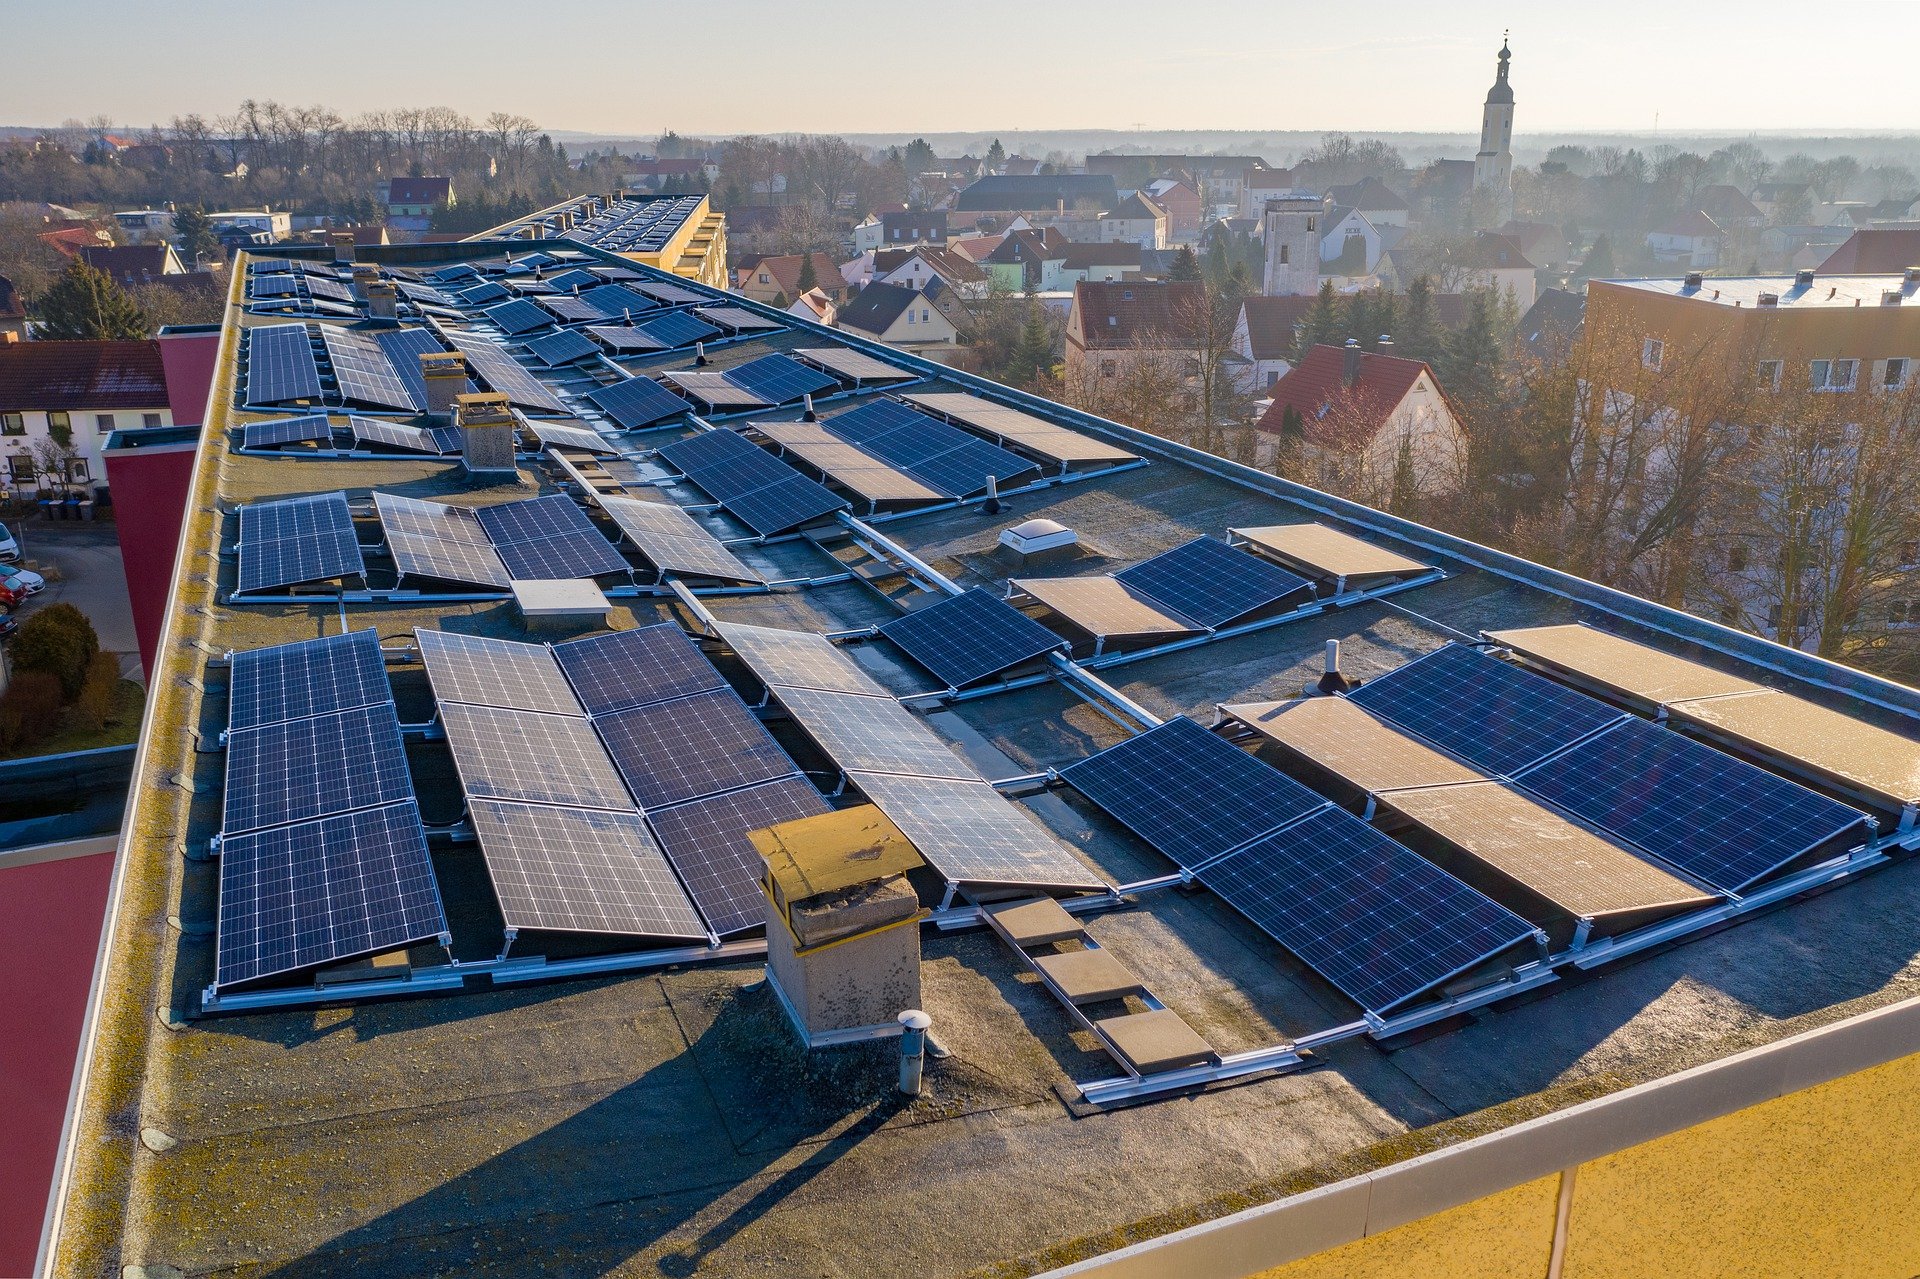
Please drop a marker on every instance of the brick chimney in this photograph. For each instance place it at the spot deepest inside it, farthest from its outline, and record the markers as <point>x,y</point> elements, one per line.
<point>1350,366</point>
<point>342,245</point>
<point>364,275</point>
<point>445,373</point>
<point>486,434</point>
<point>380,299</point>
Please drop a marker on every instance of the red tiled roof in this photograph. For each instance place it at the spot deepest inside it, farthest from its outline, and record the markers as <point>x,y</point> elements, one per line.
<point>125,262</point>
<point>1332,413</point>
<point>68,241</point>
<point>1874,250</point>
<point>67,376</point>
<point>785,270</point>
<point>1113,316</point>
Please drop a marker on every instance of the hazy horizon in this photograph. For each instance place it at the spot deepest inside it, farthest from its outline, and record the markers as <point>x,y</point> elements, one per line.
<point>1646,67</point>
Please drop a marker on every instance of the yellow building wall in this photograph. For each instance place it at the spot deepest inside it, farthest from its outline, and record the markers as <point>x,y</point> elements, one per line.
<point>1820,1182</point>
<point>697,251</point>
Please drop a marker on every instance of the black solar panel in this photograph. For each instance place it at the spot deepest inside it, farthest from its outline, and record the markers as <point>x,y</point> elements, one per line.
<point>635,668</point>
<point>531,757</point>
<point>669,294</point>
<point>677,329</point>
<point>780,379</point>
<point>455,273</point>
<point>280,364</point>
<point>765,493</point>
<point>325,891</point>
<point>581,870</point>
<point>536,517</point>
<point>1212,583</point>
<point>273,286</point>
<point>518,316</point>
<point>302,539</point>
<point>301,769</point>
<point>706,839</point>
<point>683,749</point>
<point>565,347</point>
<point>287,430</point>
<point>1190,794</point>
<point>574,555</point>
<point>971,636</point>
<point>310,677</point>
<point>433,539</point>
<point>1719,819</point>
<point>1379,922</point>
<point>363,372</point>
<point>942,457</point>
<point>1489,712</point>
<point>637,403</point>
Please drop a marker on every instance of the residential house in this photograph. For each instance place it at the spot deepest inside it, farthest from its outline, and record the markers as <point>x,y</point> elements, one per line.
<point>1872,250</point>
<point>1037,193</point>
<point>777,279</point>
<point>84,390</point>
<point>133,264</point>
<point>901,316</point>
<point>1102,263</point>
<point>1776,200</point>
<point>1112,326</point>
<point>924,263</point>
<point>1260,185</point>
<point>1186,210</point>
<point>1373,198</point>
<point>912,226</point>
<point>975,248</point>
<point>1488,261</point>
<point>1136,220</point>
<point>1350,244</point>
<point>1551,326</point>
<point>1221,179</point>
<point>69,242</point>
<point>815,305</point>
<point>1028,261</point>
<point>412,202</point>
<point>1265,337</point>
<point>1544,243</point>
<point>13,312</point>
<point>1728,208</point>
<point>1359,413</point>
<point>1693,240</point>
<point>1019,165</point>
<point>274,224</point>
<point>143,226</point>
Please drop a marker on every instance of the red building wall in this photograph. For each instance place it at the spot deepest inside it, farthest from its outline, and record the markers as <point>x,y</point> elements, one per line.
<point>150,482</point>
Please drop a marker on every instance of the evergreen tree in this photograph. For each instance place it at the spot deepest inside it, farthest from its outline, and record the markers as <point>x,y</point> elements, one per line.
<point>1469,365</point>
<point>1033,354</point>
<point>996,155</point>
<point>1322,324</point>
<point>1599,260</point>
<point>1418,336</point>
<point>86,305</point>
<point>194,229</point>
<point>808,277</point>
<point>1185,265</point>
<point>1406,492</point>
<point>1217,265</point>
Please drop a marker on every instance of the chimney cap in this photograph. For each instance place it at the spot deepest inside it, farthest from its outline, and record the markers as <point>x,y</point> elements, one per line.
<point>1803,279</point>
<point>1693,280</point>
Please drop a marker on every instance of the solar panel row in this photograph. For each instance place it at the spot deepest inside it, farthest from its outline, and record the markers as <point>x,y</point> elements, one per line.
<point>281,365</point>
<point>301,539</point>
<point>969,637</point>
<point>765,493</point>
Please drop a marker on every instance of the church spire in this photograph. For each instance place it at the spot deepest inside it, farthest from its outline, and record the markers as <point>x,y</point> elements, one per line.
<point>1502,92</point>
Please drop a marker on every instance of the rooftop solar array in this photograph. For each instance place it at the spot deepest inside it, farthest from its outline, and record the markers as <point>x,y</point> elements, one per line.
<point>382,433</point>
<point>970,637</point>
<point>518,316</point>
<point>1211,582</point>
<point>845,464</point>
<point>763,492</point>
<point>288,430</point>
<point>1356,746</point>
<point>718,392</point>
<point>573,278</point>
<point>675,331</point>
<point>434,539</point>
<point>637,403</point>
<point>482,671</point>
<point>873,734</point>
<point>574,437</point>
<point>942,457</point>
<point>569,309</point>
<point>1620,667</point>
<point>854,366</point>
<point>1880,766</point>
<point>636,226</point>
<point>1490,713</point>
<point>634,668</point>
<point>504,375</point>
<point>281,365</point>
<point>531,757</point>
<point>1327,554</point>
<point>296,540</point>
<point>403,348</point>
<point>616,302</point>
<point>1105,608</point>
<point>483,294</point>
<point>737,319</point>
<point>322,856</point>
<point>568,346</point>
<point>669,294</point>
<point>674,541</point>
<point>1011,426</point>
<point>673,751</point>
<point>780,379</point>
<point>972,834</point>
<point>707,840</point>
<point>581,870</point>
<point>364,373</point>
<point>797,659</point>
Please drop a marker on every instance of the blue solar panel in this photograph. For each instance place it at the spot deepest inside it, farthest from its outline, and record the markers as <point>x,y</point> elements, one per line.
<point>637,403</point>
<point>670,752</point>
<point>1719,819</point>
<point>518,316</point>
<point>404,347</point>
<point>325,891</point>
<point>301,769</point>
<point>1190,794</point>
<point>570,309</point>
<point>942,457</point>
<point>506,376</point>
<point>549,537</point>
<point>765,493</point>
<point>280,364</point>
<point>574,279</point>
<point>310,677</point>
<point>971,636</point>
<point>706,840</point>
<point>615,302</point>
<point>780,379</point>
<point>482,294</point>
<point>787,505</point>
<point>677,329</point>
<point>303,539</point>
<point>635,668</point>
<point>287,430</point>
<point>1379,922</point>
<point>1489,712</point>
<point>363,372</point>
<point>565,347</point>
<point>1212,583</point>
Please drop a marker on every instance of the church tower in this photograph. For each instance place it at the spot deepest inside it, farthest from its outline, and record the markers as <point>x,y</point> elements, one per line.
<point>1493,167</point>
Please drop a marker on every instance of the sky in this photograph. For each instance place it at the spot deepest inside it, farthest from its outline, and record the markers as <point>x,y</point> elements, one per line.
<point>716,67</point>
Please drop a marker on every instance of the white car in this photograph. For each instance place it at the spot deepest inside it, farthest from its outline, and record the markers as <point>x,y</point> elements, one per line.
<point>21,579</point>
<point>9,548</point>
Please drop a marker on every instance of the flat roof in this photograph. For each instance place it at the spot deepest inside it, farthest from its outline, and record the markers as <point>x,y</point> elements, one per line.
<point>1825,292</point>
<point>667,1117</point>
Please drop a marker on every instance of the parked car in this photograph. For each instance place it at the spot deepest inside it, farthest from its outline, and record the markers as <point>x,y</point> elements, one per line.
<point>8,624</point>
<point>9,545</point>
<point>22,579</point>
<point>11,596</point>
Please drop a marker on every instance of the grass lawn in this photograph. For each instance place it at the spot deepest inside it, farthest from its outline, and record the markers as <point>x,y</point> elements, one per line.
<point>122,727</point>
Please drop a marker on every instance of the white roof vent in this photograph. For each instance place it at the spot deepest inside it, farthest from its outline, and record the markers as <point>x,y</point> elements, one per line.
<point>1038,535</point>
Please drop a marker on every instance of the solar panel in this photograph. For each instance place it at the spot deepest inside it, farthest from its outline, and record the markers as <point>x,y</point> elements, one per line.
<point>570,309</point>
<point>692,746</point>
<point>765,493</point>
<point>779,379</point>
<point>1715,817</point>
<point>1211,582</point>
<point>798,659</point>
<point>872,734</point>
<point>423,294</point>
<point>309,677</point>
<point>296,540</point>
<point>1190,794</point>
<point>574,555</point>
<point>674,541</point>
<point>288,430</point>
<point>969,637</point>
<point>620,338</point>
<point>677,329</point>
<point>452,274</point>
<point>1105,608</point>
<point>637,402</point>
<point>1490,713</point>
<point>432,539</point>
<point>482,294</point>
<point>504,375</point>
<point>574,437</point>
<point>971,834</point>
<point>845,464</point>
<point>940,456</point>
<point>280,364</point>
<point>736,319</point>
<point>574,279</point>
<point>532,757</point>
<point>568,346</point>
<point>614,301</point>
<point>397,435</point>
<point>273,286</point>
<point>716,390</point>
<point>1035,434</point>
<point>668,294</point>
<point>1376,920</point>
<point>363,372</point>
<point>553,515</point>
<point>636,668</point>
<point>301,769</point>
<point>494,672</point>
<point>852,365</point>
<point>1336,736</point>
<point>581,870</point>
<point>784,506</point>
<point>706,839</point>
<point>326,287</point>
<point>325,891</point>
<point>403,348</point>
<point>518,316</point>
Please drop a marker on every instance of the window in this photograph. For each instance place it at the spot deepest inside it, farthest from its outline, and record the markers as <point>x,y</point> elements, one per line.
<point>1652,352</point>
<point>1834,375</point>
<point>1283,254</point>
<point>1109,367</point>
<point>1895,376</point>
<point>1737,558</point>
<point>1769,375</point>
<point>1272,377</point>
<point>1113,321</point>
<point>13,424</point>
<point>764,278</point>
<point>909,315</point>
<point>59,421</point>
<point>103,422</point>
<point>20,467</point>
<point>1310,222</point>
<point>924,317</point>
<point>149,419</point>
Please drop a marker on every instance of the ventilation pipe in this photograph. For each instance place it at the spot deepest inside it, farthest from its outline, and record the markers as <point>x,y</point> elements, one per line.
<point>992,506</point>
<point>806,409</point>
<point>1331,680</point>
<point>913,1050</point>
<point>699,353</point>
